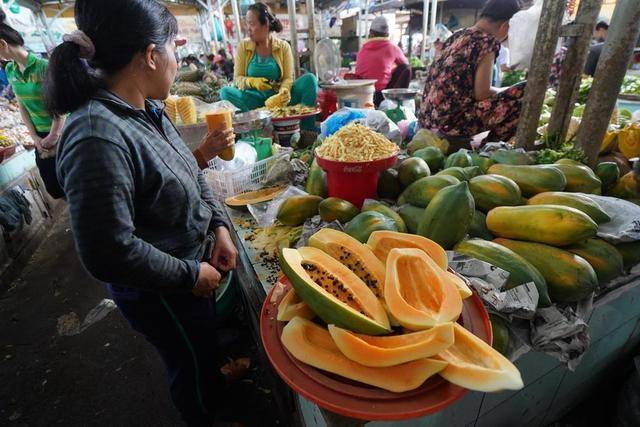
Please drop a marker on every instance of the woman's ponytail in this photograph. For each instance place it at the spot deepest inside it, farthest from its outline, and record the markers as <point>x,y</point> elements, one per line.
<point>275,25</point>
<point>70,81</point>
<point>110,33</point>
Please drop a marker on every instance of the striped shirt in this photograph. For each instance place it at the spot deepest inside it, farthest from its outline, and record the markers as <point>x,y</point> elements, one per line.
<point>27,85</point>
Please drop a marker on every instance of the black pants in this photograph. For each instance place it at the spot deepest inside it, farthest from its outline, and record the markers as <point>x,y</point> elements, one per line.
<point>182,329</point>
<point>400,79</point>
<point>47,169</point>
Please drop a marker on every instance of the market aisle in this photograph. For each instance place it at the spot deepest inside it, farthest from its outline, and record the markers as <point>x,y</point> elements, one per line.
<point>92,378</point>
<point>107,374</point>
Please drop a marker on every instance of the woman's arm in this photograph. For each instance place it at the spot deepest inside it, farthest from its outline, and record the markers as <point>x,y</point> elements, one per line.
<point>54,134</point>
<point>240,67</point>
<point>26,119</point>
<point>98,181</point>
<point>482,84</point>
<point>287,65</point>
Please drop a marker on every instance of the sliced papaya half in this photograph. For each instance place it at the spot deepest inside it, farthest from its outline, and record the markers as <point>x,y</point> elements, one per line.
<point>354,255</point>
<point>313,345</point>
<point>475,365</point>
<point>334,292</point>
<point>251,197</point>
<point>418,293</point>
<point>461,284</point>
<point>291,306</point>
<point>381,243</point>
<point>392,350</point>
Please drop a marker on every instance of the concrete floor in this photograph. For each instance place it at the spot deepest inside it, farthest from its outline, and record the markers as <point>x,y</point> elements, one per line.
<point>107,374</point>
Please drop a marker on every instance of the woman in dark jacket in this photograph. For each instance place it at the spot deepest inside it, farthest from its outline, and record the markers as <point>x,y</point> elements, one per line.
<point>142,215</point>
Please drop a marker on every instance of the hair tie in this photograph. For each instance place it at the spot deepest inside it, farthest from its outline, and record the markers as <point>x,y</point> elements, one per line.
<point>87,48</point>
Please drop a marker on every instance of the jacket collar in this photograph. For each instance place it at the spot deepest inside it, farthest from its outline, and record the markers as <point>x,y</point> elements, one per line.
<point>114,100</point>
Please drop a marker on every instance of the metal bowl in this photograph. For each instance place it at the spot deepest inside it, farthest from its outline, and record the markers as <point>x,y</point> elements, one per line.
<point>399,95</point>
<point>251,121</point>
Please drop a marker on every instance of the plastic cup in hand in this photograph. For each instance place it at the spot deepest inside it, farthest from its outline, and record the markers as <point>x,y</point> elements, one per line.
<point>221,120</point>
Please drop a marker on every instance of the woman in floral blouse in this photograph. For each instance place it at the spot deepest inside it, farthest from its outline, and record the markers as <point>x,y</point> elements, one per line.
<point>458,99</point>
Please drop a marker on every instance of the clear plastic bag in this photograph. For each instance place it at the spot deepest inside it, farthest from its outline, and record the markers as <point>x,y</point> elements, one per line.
<point>265,213</point>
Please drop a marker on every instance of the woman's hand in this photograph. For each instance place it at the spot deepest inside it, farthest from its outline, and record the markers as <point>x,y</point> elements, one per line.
<point>208,281</point>
<point>258,83</point>
<point>278,100</point>
<point>215,143</point>
<point>224,253</point>
<point>49,141</point>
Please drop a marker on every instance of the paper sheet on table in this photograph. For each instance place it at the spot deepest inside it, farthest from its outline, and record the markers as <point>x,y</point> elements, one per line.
<point>625,219</point>
<point>561,333</point>
<point>489,282</point>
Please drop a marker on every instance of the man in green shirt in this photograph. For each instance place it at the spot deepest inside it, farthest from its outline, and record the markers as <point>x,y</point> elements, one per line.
<point>26,73</point>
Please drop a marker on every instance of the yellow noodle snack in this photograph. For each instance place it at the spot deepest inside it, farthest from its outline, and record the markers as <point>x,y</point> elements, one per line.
<point>356,143</point>
<point>171,108</point>
<point>187,109</point>
<point>289,111</point>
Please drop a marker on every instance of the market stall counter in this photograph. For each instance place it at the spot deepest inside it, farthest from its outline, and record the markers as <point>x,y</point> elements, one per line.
<point>551,389</point>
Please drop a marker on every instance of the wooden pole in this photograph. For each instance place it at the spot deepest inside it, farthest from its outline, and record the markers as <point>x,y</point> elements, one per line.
<point>236,18</point>
<point>538,78</point>
<point>425,25</point>
<point>572,67</point>
<point>293,34</point>
<point>610,72</point>
<point>312,33</point>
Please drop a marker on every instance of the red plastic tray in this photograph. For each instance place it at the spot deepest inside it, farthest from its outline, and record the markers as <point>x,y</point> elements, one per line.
<point>352,399</point>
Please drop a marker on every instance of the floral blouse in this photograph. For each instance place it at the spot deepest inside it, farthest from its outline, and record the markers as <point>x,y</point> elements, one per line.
<point>449,89</point>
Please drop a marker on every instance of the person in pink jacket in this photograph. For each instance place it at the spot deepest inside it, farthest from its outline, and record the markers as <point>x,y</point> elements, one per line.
<point>382,60</point>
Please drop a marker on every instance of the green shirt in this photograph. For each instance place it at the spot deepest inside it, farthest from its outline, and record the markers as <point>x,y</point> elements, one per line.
<point>27,85</point>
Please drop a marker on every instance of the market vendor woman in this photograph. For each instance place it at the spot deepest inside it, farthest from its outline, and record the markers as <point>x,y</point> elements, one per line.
<point>25,73</point>
<point>143,218</point>
<point>458,99</point>
<point>263,73</point>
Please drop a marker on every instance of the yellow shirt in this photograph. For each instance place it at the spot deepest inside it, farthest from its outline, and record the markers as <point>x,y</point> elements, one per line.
<point>282,53</point>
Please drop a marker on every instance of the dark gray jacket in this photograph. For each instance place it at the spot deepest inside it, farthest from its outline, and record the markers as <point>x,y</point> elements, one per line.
<point>140,208</point>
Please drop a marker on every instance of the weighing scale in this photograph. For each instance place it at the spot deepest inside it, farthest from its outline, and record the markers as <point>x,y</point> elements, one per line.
<point>350,93</point>
<point>399,96</point>
<point>249,126</point>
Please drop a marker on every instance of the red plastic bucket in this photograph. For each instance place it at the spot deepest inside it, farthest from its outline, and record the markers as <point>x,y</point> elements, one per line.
<point>354,181</point>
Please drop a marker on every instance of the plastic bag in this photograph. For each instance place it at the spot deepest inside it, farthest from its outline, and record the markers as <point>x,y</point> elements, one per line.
<point>340,118</point>
<point>245,155</point>
<point>265,213</point>
<point>522,35</point>
<point>373,119</point>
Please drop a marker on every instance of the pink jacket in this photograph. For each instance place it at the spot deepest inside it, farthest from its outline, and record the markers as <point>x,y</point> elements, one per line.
<point>377,59</point>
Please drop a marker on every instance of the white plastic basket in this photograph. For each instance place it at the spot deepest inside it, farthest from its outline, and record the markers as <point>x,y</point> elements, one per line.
<point>230,183</point>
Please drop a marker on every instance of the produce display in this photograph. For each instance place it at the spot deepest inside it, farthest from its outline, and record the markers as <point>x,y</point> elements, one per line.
<point>535,221</point>
<point>356,143</point>
<point>386,314</point>
<point>12,130</point>
<point>204,85</point>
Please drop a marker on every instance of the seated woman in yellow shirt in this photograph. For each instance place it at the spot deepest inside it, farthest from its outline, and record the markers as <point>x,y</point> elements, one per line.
<point>263,72</point>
